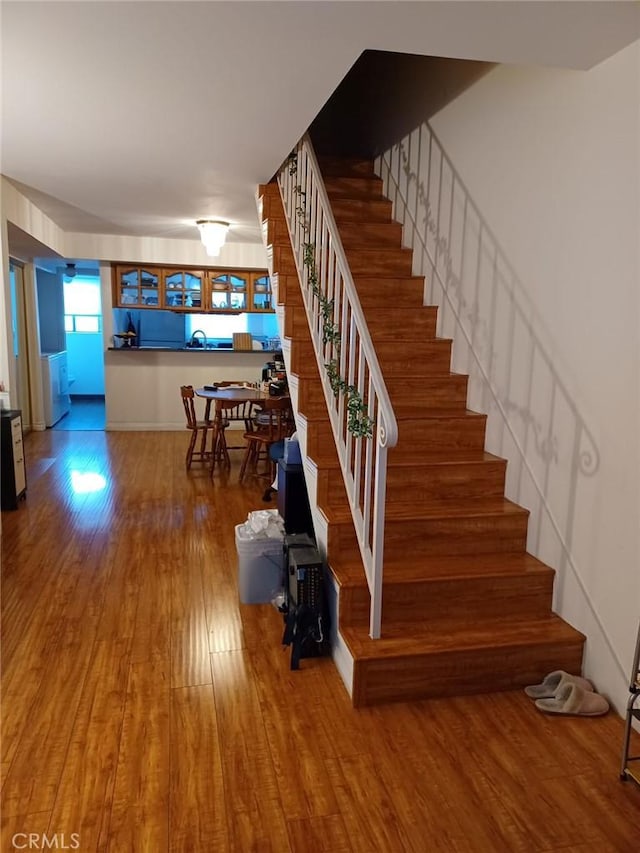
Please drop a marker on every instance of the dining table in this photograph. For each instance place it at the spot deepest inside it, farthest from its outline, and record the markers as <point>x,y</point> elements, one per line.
<point>227,397</point>
<point>221,394</point>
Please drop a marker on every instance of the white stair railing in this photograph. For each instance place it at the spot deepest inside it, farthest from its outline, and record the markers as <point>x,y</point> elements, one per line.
<point>362,419</point>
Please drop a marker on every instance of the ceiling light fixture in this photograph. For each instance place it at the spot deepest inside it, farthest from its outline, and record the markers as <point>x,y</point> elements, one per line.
<point>213,233</point>
<point>69,272</point>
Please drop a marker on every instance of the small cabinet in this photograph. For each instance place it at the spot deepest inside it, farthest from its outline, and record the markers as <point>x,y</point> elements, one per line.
<point>14,478</point>
<point>183,288</point>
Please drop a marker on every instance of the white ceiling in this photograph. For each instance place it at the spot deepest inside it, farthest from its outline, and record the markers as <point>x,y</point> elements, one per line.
<point>139,117</point>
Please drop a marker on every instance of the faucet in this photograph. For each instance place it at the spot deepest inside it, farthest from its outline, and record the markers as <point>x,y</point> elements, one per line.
<point>193,342</point>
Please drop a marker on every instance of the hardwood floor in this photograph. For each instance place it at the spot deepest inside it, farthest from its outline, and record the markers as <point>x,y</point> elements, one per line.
<point>145,709</point>
<point>86,413</point>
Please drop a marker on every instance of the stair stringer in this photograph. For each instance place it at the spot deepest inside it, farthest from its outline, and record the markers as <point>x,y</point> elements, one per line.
<point>341,655</point>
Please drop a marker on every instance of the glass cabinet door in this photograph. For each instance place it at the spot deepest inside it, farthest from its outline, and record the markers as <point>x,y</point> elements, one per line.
<point>238,292</point>
<point>261,293</point>
<point>220,288</point>
<point>229,291</point>
<point>137,287</point>
<point>183,288</point>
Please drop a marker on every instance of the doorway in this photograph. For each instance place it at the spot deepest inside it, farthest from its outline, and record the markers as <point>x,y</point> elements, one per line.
<point>84,346</point>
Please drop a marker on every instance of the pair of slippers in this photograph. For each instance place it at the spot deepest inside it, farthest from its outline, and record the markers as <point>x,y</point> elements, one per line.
<point>562,693</point>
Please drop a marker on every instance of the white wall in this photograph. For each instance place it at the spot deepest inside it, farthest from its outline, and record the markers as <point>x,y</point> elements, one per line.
<point>143,387</point>
<point>545,315</point>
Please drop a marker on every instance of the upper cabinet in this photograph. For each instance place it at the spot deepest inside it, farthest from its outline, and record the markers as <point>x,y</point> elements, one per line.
<point>191,290</point>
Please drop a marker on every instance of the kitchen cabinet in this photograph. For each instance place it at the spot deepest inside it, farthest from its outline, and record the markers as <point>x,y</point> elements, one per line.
<point>187,290</point>
<point>14,478</point>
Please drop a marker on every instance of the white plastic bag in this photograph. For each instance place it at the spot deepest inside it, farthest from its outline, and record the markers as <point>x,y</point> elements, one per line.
<point>263,524</point>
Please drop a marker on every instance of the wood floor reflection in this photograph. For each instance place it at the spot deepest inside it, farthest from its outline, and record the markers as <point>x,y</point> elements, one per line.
<point>145,709</point>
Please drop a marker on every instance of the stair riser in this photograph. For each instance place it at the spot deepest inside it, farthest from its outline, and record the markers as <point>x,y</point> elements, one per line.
<point>361,210</point>
<point>469,598</point>
<point>390,292</point>
<point>380,261</point>
<point>409,325</point>
<point>431,483</point>
<point>458,480</point>
<point>437,436</point>
<point>371,234</point>
<point>438,537</point>
<point>369,187</point>
<point>483,670</point>
<point>341,167</point>
<point>423,359</point>
<point>407,364</point>
<point>435,392</point>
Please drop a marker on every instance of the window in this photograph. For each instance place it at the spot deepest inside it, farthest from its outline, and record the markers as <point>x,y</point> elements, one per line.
<point>216,325</point>
<point>82,307</point>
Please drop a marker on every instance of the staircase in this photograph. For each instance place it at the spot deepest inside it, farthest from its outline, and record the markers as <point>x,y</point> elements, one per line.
<point>465,608</point>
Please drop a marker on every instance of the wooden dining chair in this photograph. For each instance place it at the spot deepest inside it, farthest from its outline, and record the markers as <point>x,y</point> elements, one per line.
<point>238,412</point>
<point>228,412</point>
<point>274,422</point>
<point>199,428</point>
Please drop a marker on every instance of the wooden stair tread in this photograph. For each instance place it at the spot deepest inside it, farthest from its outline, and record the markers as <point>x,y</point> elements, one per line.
<point>410,511</point>
<point>458,636</point>
<point>397,569</point>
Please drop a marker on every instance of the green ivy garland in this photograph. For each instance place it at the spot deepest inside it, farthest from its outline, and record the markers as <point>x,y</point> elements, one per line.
<point>359,424</point>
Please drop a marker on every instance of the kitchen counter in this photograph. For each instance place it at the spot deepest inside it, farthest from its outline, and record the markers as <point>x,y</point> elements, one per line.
<point>142,384</point>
